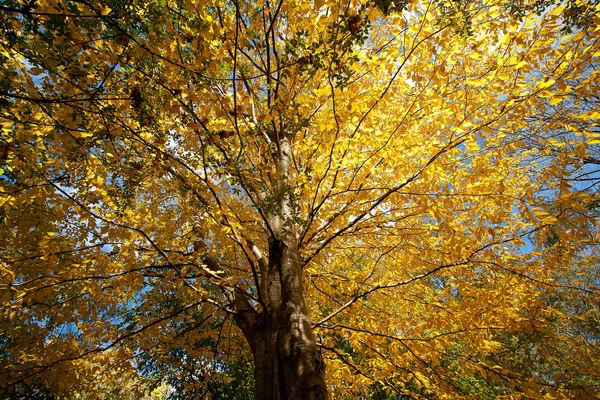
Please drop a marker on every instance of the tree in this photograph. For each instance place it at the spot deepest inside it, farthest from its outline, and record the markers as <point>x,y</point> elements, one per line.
<point>402,191</point>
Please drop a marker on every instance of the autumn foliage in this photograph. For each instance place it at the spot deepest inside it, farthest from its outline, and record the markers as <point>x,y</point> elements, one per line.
<point>406,192</point>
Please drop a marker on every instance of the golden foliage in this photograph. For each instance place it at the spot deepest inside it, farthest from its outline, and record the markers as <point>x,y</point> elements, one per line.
<point>443,180</point>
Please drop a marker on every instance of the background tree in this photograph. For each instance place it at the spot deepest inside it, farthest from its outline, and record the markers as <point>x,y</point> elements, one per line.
<point>404,192</point>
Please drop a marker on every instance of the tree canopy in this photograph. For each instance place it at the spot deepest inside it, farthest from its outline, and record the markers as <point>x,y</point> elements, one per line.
<point>413,184</point>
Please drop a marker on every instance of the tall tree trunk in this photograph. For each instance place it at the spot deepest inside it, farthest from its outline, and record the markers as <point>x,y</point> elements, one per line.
<point>288,363</point>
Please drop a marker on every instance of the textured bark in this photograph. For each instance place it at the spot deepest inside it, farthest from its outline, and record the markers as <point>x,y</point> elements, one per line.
<point>288,363</point>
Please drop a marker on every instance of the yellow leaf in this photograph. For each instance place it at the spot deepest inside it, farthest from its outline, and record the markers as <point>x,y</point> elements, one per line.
<point>556,10</point>
<point>545,84</point>
<point>556,100</point>
<point>520,65</point>
<point>81,134</point>
<point>495,12</point>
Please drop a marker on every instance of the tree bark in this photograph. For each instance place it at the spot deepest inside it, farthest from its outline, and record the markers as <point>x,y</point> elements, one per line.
<point>288,364</point>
